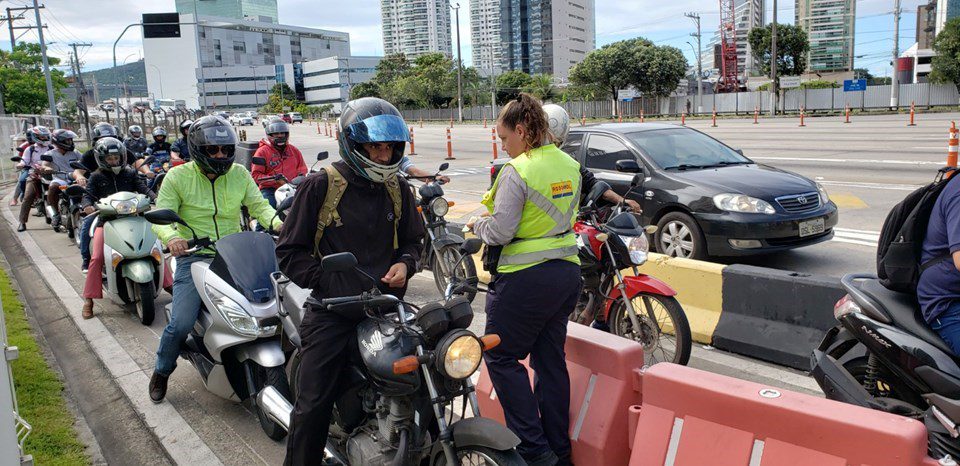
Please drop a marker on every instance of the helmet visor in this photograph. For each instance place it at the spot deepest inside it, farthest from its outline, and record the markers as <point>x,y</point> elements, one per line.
<point>215,136</point>
<point>380,128</point>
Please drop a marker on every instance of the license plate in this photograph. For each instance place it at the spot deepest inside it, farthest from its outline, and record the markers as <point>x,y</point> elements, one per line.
<point>811,227</point>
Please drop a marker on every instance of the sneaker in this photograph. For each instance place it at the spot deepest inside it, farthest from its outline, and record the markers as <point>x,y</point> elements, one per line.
<point>22,227</point>
<point>85,266</point>
<point>158,387</point>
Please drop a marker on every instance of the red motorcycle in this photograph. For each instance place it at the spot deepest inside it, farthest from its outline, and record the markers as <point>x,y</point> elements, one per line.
<point>638,307</point>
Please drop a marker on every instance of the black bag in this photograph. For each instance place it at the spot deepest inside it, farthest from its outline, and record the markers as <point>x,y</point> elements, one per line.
<point>901,238</point>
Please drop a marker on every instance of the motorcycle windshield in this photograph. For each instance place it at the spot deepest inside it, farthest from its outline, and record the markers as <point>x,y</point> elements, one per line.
<point>625,224</point>
<point>245,260</point>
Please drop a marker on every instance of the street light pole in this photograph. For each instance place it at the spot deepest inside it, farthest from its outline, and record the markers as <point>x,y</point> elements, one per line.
<point>159,78</point>
<point>226,89</point>
<point>773,62</point>
<point>256,89</point>
<point>696,18</point>
<point>894,84</point>
<point>456,10</point>
<point>46,68</point>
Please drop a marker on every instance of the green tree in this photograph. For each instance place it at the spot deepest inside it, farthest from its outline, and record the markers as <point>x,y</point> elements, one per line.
<point>657,70</point>
<point>510,84</point>
<point>611,67</point>
<point>284,90</point>
<point>946,63</point>
<point>21,77</point>
<point>540,86</point>
<point>819,84</point>
<point>367,89</point>
<point>792,48</point>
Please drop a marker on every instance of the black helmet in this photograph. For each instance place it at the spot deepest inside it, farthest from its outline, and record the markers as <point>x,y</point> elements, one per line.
<point>63,139</point>
<point>185,126</point>
<point>135,131</point>
<point>207,136</point>
<point>102,130</point>
<point>108,146</point>
<point>159,132</point>
<point>278,132</point>
<point>40,133</point>
<point>369,120</point>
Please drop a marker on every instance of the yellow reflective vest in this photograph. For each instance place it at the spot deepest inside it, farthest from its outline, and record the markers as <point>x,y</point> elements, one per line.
<point>545,231</point>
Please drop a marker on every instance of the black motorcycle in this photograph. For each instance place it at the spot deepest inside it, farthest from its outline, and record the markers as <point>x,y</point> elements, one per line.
<point>884,356</point>
<point>441,252</point>
<point>398,407</point>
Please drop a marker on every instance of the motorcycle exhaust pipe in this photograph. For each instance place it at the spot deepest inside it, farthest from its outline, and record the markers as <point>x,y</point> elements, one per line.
<point>51,212</point>
<point>277,408</point>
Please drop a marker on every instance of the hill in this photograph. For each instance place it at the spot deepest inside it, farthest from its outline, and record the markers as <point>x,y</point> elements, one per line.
<point>135,70</point>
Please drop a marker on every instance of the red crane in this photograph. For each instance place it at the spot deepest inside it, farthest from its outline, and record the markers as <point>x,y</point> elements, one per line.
<point>728,47</point>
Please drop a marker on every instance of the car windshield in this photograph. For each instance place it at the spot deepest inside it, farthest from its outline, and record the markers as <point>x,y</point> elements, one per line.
<point>684,148</point>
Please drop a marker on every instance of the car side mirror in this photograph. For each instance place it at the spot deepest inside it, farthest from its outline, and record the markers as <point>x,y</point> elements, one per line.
<point>340,262</point>
<point>163,217</point>
<point>628,166</point>
<point>471,246</point>
<point>444,166</point>
<point>46,158</point>
<point>285,204</point>
<point>323,156</point>
<point>258,161</point>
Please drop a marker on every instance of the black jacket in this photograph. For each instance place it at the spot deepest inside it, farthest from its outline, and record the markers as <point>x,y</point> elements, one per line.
<point>366,213</point>
<point>103,183</point>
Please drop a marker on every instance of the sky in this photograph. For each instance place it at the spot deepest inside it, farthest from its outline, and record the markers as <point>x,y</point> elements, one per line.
<point>100,22</point>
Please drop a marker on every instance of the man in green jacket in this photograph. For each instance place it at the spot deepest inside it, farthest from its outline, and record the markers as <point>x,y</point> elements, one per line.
<point>207,194</point>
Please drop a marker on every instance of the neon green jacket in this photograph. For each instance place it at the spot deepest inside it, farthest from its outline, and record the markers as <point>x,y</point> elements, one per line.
<point>210,207</point>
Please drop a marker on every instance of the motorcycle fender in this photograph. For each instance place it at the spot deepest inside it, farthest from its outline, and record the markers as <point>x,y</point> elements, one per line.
<point>139,271</point>
<point>640,284</point>
<point>266,353</point>
<point>446,241</point>
<point>483,432</point>
<point>837,384</point>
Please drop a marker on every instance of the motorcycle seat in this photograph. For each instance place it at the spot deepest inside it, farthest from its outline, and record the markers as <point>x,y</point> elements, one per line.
<point>904,310</point>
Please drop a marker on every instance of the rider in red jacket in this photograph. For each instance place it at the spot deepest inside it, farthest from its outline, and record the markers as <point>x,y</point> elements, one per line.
<point>281,157</point>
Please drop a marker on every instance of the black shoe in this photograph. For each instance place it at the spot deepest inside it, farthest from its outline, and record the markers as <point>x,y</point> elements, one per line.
<point>55,223</point>
<point>22,227</point>
<point>158,387</point>
<point>85,266</point>
<point>548,458</point>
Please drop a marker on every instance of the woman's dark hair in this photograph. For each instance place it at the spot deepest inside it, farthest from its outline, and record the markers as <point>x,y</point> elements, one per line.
<point>527,111</point>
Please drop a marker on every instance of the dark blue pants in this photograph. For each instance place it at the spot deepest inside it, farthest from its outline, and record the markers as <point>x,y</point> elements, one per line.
<point>270,195</point>
<point>947,325</point>
<point>85,237</point>
<point>529,310</point>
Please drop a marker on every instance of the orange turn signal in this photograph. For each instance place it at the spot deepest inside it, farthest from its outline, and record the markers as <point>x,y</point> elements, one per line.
<point>451,203</point>
<point>490,341</point>
<point>419,209</point>
<point>62,187</point>
<point>405,365</point>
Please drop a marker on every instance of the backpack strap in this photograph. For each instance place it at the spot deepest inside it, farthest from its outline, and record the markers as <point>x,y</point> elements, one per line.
<point>932,262</point>
<point>328,215</point>
<point>393,189</point>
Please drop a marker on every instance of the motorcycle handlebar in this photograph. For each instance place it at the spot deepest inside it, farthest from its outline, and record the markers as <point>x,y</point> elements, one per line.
<point>193,245</point>
<point>365,298</point>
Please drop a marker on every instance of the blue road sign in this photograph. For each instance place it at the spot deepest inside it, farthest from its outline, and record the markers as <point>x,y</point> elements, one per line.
<point>854,85</point>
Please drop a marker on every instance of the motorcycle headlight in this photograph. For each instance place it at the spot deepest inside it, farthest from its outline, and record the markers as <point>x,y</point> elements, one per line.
<point>740,203</point>
<point>638,247</point>
<point>124,207</point>
<point>824,197</point>
<point>233,313</point>
<point>459,355</point>
<point>439,206</point>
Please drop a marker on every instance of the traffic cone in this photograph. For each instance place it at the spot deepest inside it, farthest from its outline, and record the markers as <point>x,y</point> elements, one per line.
<point>413,151</point>
<point>493,137</point>
<point>449,146</point>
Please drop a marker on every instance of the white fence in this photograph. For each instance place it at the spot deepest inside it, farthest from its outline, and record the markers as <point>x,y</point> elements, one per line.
<point>923,95</point>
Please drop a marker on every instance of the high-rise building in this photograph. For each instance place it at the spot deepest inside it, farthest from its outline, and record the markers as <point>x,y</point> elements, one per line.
<point>946,10</point>
<point>749,14</point>
<point>829,25</point>
<point>546,36</point>
<point>256,10</point>
<point>416,27</point>
<point>485,36</point>
<point>926,25</point>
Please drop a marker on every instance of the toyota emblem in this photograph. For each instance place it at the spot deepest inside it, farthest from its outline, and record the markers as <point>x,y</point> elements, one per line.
<point>802,200</point>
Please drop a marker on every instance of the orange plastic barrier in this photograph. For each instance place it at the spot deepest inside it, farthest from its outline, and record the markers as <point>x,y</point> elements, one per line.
<point>722,421</point>
<point>604,382</point>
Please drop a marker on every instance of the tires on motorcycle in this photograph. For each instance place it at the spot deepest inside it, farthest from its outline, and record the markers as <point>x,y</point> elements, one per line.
<point>450,254</point>
<point>144,302</point>
<point>888,384</point>
<point>472,455</point>
<point>667,332</point>
<point>293,373</point>
<point>76,222</point>
<point>277,377</point>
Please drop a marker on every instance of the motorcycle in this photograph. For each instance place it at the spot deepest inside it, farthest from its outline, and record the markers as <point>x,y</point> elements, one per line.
<point>882,355</point>
<point>441,253</point>
<point>63,204</point>
<point>133,258</point>
<point>159,163</point>
<point>410,369</point>
<point>35,175</point>
<point>287,190</point>
<point>235,343</point>
<point>638,307</point>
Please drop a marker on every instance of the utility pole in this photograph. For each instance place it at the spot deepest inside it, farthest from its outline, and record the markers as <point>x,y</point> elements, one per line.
<point>46,68</point>
<point>895,86</point>
<point>774,88</point>
<point>696,18</point>
<point>10,18</point>
<point>82,91</point>
<point>456,10</point>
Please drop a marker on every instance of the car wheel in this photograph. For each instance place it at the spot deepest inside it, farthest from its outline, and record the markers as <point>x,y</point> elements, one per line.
<point>678,235</point>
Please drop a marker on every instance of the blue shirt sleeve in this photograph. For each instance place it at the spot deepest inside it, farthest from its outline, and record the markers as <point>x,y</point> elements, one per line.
<point>950,210</point>
<point>405,164</point>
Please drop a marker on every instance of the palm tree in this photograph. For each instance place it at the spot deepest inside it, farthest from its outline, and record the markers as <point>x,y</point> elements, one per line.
<point>541,86</point>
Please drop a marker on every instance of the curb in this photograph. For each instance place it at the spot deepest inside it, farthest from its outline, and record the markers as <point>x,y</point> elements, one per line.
<point>175,435</point>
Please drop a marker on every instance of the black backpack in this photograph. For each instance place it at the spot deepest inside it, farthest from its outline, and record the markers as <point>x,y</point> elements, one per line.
<point>901,239</point>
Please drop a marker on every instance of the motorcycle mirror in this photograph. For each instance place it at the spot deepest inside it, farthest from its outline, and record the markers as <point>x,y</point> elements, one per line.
<point>46,158</point>
<point>596,193</point>
<point>163,217</point>
<point>637,179</point>
<point>471,246</point>
<point>628,166</point>
<point>323,156</point>
<point>258,161</point>
<point>16,158</point>
<point>77,166</point>
<point>296,181</point>
<point>444,166</point>
<point>285,204</point>
<point>340,262</point>
<point>149,160</point>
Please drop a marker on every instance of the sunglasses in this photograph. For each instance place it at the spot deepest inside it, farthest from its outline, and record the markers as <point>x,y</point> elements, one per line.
<point>212,150</point>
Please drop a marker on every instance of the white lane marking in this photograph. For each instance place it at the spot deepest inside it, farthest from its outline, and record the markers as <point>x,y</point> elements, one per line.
<point>866,236</point>
<point>883,186</point>
<point>870,161</point>
<point>851,230</point>
<point>856,242</point>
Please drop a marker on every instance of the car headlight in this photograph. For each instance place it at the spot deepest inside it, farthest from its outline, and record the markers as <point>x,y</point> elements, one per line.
<point>741,203</point>
<point>124,207</point>
<point>460,355</point>
<point>824,197</point>
<point>439,206</point>
<point>233,313</point>
<point>638,247</point>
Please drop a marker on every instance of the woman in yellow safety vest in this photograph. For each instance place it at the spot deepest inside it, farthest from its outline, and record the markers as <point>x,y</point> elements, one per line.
<point>531,209</point>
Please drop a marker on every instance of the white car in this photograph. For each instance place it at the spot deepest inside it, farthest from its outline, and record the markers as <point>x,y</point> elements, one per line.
<point>241,120</point>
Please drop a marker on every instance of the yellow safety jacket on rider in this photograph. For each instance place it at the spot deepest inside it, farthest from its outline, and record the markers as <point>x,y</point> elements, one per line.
<point>545,231</point>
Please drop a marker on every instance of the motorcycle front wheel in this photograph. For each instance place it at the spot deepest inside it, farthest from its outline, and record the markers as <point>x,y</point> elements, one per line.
<point>144,294</point>
<point>450,254</point>
<point>483,456</point>
<point>277,377</point>
<point>76,222</point>
<point>665,332</point>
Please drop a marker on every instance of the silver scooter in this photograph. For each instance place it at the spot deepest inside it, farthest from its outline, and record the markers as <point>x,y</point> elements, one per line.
<point>235,343</point>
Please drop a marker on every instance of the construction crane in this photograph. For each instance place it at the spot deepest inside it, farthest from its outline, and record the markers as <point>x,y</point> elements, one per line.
<point>728,47</point>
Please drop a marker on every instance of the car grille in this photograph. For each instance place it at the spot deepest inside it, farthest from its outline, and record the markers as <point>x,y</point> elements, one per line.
<point>800,203</point>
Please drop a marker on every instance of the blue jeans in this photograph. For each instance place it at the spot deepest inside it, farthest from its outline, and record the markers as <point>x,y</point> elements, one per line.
<point>21,184</point>
<point>85,237</point>
<point>947,325</point>
<point>186,307</point>
<point>270,195</point>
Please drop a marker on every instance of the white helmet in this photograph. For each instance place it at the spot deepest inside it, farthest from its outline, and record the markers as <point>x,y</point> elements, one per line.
<point>559,121</point>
